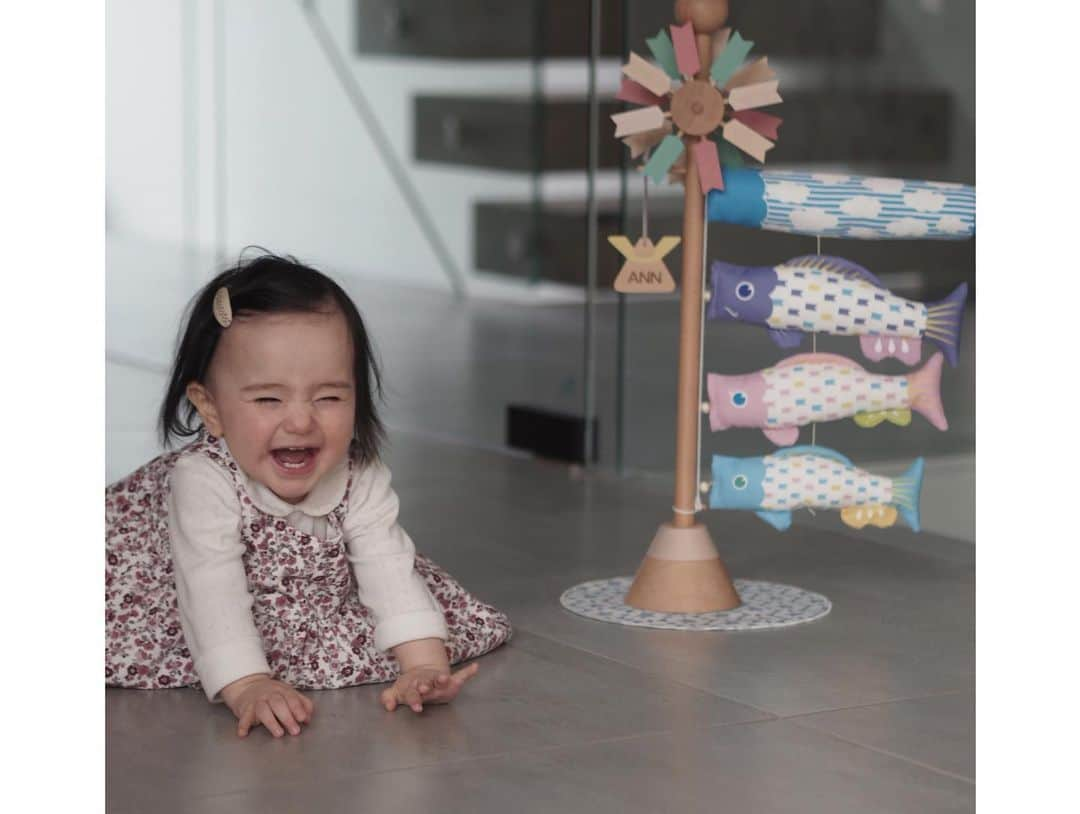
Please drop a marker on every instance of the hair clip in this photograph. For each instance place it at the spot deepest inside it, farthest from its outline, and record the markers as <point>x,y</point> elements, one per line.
<point>223,307</point>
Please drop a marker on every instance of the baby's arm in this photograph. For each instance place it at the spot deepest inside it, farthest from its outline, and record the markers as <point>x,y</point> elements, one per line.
<point>215,604</point>
<point>408,620</point>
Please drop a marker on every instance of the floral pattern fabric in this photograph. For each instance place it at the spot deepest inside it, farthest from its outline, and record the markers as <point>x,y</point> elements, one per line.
<point>316,633</point>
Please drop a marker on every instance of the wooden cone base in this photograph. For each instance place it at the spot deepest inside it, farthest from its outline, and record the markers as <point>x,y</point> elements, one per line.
<point>682,573</point>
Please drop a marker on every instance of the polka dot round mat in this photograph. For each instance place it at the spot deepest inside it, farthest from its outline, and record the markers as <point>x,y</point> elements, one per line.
<point>765,605</point>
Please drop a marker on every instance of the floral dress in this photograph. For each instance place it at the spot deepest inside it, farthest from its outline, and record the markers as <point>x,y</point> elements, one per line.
<point>316,634</point>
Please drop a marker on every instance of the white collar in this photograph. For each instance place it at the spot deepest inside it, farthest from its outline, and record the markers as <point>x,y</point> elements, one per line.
<point>323,498</point>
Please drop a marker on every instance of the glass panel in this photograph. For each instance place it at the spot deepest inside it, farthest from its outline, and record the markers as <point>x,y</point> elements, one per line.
<point>431,158</point>
<point>881,88</point>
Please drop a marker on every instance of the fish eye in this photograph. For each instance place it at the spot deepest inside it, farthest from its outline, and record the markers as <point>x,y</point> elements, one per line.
<point>744,291</point>
<point>740,482</point>
<point>738,398</point>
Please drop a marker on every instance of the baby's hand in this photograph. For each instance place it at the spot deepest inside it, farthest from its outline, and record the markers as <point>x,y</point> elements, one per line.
<point>259,699</point>
<point>422,685</point>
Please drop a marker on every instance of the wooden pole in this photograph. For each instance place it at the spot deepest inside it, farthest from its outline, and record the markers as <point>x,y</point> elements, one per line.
<point>682,571</point>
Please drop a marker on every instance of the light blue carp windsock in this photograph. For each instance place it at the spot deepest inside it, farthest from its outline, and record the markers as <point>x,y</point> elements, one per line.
<point>772,486</point>
<point>847,206</point>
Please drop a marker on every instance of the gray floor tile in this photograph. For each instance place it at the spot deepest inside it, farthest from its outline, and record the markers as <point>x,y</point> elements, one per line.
<point>903,642</point>
<point>532,694</point>
<point>769,768</point>
<point>938,732</point>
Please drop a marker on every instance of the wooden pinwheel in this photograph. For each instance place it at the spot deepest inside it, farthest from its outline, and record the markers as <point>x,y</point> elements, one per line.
<point>723,100</point>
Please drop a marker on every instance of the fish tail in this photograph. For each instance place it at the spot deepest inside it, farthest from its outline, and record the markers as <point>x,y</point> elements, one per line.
<point>924,385</point>
<point>906,492</point>
<point>944,320</point>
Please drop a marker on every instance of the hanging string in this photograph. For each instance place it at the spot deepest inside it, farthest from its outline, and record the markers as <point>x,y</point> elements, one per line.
<point>813,339</point>
<point>645,201</point>
<point>698,504</point>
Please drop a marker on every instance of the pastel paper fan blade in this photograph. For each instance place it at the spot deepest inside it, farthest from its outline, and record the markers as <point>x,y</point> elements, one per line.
<point>764,124</point>
<point>664,156</point>
<point>759,94</point>
<point>633,122</point>
<point>631,91</point>
<point>747,140</point>
<point>756,71</point>
<point>686,54</point>
<point>708,165</point>
<point>641,142</point>
<point>664,53</point>
<point>729,60</point>
<point>647,75</point>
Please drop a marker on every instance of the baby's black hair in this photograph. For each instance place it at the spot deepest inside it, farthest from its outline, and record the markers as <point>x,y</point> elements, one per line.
<point>263,285</point>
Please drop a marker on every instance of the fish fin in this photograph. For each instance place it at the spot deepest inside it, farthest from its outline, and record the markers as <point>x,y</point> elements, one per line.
<point>807,449</point>
<point>899,417</point>
<point>876,347</point>
<point>781,521</point>
<point>854,516</point>
<point>786,338</point>
<point>944,320</point>
<point>782,436</point>
<point>906,492</point>
<point>858,517</point>
<point>838,265</point>
<point>817,358</point>
<point>924,390</point>
<point>866,420</point>
<point>884,517</point>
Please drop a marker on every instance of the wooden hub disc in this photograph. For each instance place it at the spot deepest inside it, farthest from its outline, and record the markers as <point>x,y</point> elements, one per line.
<point>697,108</point>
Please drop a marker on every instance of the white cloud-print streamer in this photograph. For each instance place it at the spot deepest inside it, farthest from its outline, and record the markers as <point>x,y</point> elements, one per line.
<point>907,227</point>
<point>861,206</point>
<point>790,192</point>
<point>885,186</point>
<point>925,201</point>
<point>813,220</point>
<point>952,224</point>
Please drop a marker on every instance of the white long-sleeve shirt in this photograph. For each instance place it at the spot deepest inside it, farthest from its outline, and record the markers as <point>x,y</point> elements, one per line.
<point>212,595</point>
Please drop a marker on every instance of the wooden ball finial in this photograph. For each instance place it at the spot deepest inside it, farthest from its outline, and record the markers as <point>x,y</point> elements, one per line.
<point>708,16</point>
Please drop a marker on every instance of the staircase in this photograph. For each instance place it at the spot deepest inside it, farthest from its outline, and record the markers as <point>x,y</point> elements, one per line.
<point>851,101</point>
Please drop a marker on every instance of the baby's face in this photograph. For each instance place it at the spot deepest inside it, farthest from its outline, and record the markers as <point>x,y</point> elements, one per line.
<point>283,391</point>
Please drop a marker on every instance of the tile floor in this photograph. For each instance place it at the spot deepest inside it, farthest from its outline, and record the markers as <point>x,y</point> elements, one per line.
<point>869,709</point>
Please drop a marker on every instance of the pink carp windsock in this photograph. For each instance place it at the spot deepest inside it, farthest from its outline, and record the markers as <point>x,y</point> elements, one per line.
<point>815,387</point>
<point>775,485</point>
<point>817,293</point>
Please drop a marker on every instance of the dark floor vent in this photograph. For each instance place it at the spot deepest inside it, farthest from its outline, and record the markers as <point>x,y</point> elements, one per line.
<point>548,434</point>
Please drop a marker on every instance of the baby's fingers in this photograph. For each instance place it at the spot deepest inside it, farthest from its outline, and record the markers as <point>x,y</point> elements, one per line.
<point>463,675</point>
<point>301,712</point>
<point>266,717</point>
<point>389,699</point>
<point>414,699</point>
<point>247,720</point>
<point>309,705</point>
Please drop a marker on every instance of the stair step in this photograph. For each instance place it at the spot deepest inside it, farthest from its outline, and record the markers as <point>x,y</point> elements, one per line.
<point>554,29</point>
<point>550,243</point>
<point>548,134</point>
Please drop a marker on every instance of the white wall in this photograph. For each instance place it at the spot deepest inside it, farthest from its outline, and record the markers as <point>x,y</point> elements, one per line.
<point>300,172</point>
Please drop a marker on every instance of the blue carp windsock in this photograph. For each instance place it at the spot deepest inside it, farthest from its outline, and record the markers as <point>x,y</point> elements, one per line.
<point>847,206</point>
<point>818,293</point>
<point>773,486</point>
<point>815,387</point>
